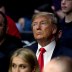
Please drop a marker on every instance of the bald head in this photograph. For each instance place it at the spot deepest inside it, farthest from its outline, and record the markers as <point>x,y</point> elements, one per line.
<point>59,64</point>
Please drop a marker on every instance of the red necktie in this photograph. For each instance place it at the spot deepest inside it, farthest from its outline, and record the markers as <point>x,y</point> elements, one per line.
<point>40,58</point>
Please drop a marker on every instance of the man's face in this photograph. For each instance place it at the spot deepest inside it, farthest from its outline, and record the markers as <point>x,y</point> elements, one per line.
<point>1,26</point>
<point>66,6</point>
<point>42,28</point>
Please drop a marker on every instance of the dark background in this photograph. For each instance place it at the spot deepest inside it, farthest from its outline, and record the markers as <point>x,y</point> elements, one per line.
<point>21,8</point>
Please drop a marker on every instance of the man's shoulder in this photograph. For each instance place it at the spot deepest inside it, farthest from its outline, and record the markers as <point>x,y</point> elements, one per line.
<point>64,51</point>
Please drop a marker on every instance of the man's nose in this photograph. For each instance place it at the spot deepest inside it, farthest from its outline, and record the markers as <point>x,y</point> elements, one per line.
<point>38,26</point>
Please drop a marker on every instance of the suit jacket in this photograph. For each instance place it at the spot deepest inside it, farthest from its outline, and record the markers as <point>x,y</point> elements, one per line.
<point>58,51</point>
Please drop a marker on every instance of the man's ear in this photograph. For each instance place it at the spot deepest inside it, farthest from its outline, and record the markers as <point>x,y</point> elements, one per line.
<point>59,33</point>
<point>54,29</point>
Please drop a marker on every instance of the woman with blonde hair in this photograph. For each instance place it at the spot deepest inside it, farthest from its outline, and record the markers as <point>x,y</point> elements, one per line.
<point>23,60</point>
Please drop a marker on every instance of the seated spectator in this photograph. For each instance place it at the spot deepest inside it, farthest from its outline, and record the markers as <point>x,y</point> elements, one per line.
<point>27,24</point>
<point>12,29</point>
<point>59,64</point>
<point>20,25</point>
<point>46,32</point>
<point>66,23</point>
<point>23,24</point>
<point>7,44</point>
<point>23,60</point>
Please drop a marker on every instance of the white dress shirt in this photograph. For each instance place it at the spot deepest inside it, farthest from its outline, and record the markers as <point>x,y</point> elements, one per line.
<point>49,51</point>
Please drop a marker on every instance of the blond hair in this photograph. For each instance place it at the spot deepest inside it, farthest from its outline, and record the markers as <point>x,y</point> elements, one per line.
<point>51,17</point>
<point>28,56</point>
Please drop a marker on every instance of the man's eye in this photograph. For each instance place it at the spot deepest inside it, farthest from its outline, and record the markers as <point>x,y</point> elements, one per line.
<point>43,22</point>
<point>34,24</point>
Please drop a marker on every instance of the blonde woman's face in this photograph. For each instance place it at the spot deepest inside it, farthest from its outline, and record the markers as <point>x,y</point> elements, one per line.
<point>19,65</point>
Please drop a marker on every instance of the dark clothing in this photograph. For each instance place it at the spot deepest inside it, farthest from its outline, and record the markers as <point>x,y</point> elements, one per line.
<point>6,49</point>
<point>58,51</point>
<point>66,39</point>
<point>62,51</point>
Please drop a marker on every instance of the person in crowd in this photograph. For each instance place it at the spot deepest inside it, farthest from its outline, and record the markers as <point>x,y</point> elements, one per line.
<point>23,24</point>
<point>45,31</point>
<point>7,44</point>
<point>56,7</point>
<point>11,28</point>
<point>59,64</point>
<point>66,23</point>
<point>20,24</point>
<point>23,60</point>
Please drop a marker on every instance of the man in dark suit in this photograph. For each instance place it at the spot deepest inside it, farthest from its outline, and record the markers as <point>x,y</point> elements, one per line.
<point>46,32</point>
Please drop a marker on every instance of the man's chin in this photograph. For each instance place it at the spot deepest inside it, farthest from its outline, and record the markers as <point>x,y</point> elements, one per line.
<point>38,37</point>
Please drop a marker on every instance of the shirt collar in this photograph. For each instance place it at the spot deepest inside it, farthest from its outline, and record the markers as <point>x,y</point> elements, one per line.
<point>48,47</point>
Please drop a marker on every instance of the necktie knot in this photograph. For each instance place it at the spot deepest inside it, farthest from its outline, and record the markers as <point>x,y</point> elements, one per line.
<point>42,50</point>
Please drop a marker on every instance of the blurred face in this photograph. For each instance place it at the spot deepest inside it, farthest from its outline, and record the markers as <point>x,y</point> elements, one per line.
<point>2,9</point>
<point>66,6</point>
<point>42,28</point>
<point>53,67</point>
<point>22,22</point>
<point>1,26</point>
<point>19,65</point>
